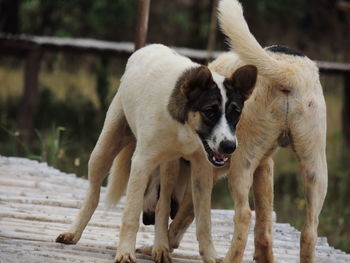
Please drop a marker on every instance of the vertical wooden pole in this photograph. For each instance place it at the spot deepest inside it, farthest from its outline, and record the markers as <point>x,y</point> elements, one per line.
<point>346,111</point>
<point>142,23</point>
<point>212,32</point>
<point>29,101</point>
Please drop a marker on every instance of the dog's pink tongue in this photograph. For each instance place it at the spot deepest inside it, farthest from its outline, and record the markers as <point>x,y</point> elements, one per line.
<point>219,156</point>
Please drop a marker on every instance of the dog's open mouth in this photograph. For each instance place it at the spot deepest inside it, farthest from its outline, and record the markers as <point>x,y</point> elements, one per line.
<point>217,159</point>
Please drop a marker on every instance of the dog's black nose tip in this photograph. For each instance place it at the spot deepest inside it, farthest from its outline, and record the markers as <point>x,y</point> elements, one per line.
<point>227,147</point>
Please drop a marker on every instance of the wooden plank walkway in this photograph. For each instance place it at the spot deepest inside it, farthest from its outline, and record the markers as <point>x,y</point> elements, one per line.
<point>38,202</point>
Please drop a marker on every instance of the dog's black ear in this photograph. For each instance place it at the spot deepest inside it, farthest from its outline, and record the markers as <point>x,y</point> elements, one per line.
<point>244,79</point>
<point>197,80</point>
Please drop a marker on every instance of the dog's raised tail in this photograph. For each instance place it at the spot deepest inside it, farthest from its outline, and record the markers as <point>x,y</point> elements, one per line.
<point>235,27</point>
<point>119,176</point>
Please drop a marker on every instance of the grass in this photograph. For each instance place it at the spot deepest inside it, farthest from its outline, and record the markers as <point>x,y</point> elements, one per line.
<point>70,118</point>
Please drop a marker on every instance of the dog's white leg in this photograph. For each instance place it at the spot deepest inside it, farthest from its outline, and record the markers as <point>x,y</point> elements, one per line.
<point>313,166</point>
<point>263,200</point>
<point>202,184</point>
<point>141,168</point>
<point>110,142</point>
<point>168,176</point>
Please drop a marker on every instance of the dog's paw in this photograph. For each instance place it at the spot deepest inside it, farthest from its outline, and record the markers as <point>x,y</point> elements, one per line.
<point>66,238</point>
<point>146,250</point>
<point>161,254</point>
<point>210,256</point>
<point>212,259</point>
<point>174,241</point>
<point>125,257</point>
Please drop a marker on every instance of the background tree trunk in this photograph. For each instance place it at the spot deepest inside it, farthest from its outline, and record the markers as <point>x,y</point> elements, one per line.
<point>213,29</point>
<point>346,112</point>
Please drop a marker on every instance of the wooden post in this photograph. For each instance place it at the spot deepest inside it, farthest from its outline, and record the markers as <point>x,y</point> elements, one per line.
<point>212,32</point>
<point>346,111</point>
<point>142,23</point>
<point>29,101</point>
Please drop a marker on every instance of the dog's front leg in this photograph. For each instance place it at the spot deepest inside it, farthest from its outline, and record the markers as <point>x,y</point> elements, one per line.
<point>202,184</point>
<point>240,179</point>
<point>139,175</point>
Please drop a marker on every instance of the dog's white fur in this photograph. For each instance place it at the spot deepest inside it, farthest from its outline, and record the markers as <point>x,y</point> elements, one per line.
<point>288,99</point>
<point>140,108</point>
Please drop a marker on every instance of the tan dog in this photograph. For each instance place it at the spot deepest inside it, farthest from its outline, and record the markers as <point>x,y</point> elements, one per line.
<point>174,108</point>
<point>287,107</point>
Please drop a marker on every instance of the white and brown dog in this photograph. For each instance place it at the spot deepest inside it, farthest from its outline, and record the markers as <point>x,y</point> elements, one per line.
<point>287,107</point>
<point>174,108</point>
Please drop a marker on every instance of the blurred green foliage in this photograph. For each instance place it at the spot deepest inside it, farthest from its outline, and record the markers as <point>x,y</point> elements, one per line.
<point>103,19</point>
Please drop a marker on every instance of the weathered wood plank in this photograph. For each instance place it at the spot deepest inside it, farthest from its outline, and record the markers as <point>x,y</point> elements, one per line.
<point>38,202</point>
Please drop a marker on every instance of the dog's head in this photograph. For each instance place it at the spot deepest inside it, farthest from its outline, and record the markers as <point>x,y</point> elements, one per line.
<point>211,105</point>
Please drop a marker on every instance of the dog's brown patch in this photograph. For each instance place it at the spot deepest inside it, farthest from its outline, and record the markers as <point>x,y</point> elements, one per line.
<point>194,91</point>
<point>188,88</point>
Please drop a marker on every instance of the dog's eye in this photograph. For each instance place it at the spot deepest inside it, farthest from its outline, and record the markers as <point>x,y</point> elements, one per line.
<point>234,108</point>
<point>210,113</point>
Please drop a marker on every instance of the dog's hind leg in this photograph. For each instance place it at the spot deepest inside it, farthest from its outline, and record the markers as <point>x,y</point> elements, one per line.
<point>171,172</point>
<point>182,220</point>
<point>110,142</point>
<point>180,187</point>
<point>263,201</point>
<point>168,176</point>
<point>151,198</point>
<point>185,214</point>
<point>312,158</point>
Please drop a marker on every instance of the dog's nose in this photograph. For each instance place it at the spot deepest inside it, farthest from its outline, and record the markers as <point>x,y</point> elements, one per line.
<point>227,147</point>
